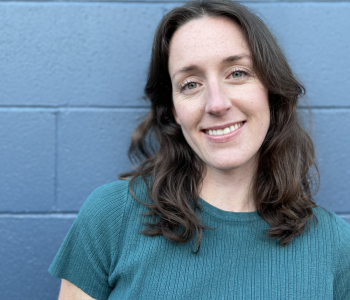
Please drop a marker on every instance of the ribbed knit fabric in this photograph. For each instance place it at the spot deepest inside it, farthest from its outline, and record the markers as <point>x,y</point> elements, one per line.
<point>105,255</point>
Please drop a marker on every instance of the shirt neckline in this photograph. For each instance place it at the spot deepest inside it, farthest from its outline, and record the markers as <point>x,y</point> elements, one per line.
<point>228,215</point>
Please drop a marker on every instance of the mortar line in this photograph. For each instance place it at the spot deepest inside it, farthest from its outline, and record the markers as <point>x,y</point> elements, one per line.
<point>47,215</point>
<point>323,107</point>
<point>55,108</point>
<point>56,159</point>
<point>28,213</point>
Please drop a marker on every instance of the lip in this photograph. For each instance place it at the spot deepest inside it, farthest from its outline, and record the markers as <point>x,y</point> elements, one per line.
<point>226,137</point>
<point>223,126</point>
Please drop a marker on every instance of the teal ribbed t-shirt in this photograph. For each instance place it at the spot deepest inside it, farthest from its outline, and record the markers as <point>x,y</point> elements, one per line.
<point>106,256</point>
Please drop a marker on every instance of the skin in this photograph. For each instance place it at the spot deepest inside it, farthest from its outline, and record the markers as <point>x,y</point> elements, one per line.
<point>71,292</point>
<point>209,92</point>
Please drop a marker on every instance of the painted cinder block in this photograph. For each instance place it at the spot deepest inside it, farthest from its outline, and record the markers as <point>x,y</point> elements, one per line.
<point>27,248</point>
<point>330,131</point>
<point>315,39</point>
<point>347,219</point>
<point>92,150</point>
<point>91,54</point>
<point>75,54</point>
<point>27,160</point>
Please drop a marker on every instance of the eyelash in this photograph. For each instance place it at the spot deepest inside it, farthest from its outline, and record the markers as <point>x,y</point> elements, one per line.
<point>187,82</point>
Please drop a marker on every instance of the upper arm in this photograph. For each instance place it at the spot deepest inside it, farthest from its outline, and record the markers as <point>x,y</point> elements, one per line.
<point>89,251</point>
<point>342,269</point>
<point>69,291</point>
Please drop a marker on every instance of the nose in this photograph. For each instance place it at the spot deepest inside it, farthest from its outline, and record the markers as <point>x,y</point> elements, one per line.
<point>217,102</point>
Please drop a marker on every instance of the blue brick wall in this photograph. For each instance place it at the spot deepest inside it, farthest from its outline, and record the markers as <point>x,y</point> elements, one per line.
<point>72,76</point>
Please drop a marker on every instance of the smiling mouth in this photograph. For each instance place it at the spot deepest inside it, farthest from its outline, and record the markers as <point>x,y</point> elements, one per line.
<point>225,130</point>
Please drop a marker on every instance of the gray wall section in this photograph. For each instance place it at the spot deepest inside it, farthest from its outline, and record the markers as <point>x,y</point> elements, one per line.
<point>72,77</point>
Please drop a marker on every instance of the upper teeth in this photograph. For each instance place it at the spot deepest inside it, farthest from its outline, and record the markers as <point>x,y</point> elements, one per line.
<point>223,131</point>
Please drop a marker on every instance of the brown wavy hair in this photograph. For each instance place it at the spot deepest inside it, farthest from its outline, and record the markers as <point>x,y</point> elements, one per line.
<point>287,174</point>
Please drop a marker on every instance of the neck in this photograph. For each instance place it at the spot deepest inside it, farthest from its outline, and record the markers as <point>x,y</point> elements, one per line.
<point>230,191</point>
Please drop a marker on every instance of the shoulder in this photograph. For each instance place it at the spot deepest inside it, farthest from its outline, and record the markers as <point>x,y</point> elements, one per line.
<point>109,201</point>
<point>332,222</point>
<point>341,233</point>
<point>106,200</point>
<point>107,195</point>
<point>91,248</point>
<point>337,231</point>
<point>333,227</point>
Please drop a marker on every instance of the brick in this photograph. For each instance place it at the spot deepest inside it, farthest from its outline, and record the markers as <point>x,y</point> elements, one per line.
<point>92,151</point>
<point>27,248</point>
<point>27,160</point>
<point>82,54</point>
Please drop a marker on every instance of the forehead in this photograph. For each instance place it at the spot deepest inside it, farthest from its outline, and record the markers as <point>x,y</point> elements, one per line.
<point>206,39</point>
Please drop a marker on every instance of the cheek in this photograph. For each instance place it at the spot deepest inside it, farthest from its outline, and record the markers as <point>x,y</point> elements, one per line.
<point>186,114</point>
<point>181,117</point>
<point>264,115</point>
<point>259,103</point>
<point>265,110</point>
<point>255,105</point>
<point>176,116</point>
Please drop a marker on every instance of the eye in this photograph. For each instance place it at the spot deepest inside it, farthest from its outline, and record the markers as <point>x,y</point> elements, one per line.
<point>191,85</point>
<point>237,74</point>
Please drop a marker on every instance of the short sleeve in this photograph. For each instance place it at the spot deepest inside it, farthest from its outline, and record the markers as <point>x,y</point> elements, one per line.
<point>342,262</point>
<point>86,254</point>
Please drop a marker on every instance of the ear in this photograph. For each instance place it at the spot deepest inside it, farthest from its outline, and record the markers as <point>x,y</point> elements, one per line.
<point>175,115</point>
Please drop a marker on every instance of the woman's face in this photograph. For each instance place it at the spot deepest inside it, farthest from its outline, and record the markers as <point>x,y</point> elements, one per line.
<point>220,104</point>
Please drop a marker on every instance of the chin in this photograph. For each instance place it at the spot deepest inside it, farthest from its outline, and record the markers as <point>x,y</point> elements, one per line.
<point>229,165</point>
<point>226,166</point>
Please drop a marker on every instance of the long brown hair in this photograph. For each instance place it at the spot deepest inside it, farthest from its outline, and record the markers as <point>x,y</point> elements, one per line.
<point>287,173</point>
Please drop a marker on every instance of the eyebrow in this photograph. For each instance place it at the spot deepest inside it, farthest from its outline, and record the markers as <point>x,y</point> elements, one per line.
<point>227,60</point>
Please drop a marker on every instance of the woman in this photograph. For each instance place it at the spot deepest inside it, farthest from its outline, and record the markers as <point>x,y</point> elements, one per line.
<point>225,192</point>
